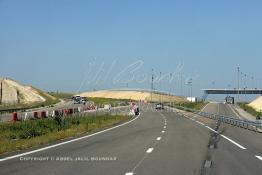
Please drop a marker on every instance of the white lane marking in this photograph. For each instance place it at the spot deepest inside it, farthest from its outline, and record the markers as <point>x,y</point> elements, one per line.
<point>195,116</point>
<point>159,138</point>
<point>212,129</point>
<point>129,173</point>
<point>200,123</point>
<point>150,150</point>
<point>163,131</point>
<point>63,143</point>
<point>259,157</point>
<point>232,141</point>
<point>164,127</point>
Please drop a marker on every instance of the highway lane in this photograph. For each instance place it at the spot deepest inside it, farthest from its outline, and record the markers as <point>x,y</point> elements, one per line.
<point>140,147</point>
<point>228,158</point>
<point>156,143</point>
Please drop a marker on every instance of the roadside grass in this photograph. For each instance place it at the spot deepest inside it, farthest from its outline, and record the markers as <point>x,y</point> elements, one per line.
<point>27,134</point>
<point>196,106</point>
<point>250,110</point>
<point>62,95</point>
<point>100,102</point>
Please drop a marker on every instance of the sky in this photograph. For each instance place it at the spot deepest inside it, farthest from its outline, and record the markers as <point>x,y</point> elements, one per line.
<point>73,45</point>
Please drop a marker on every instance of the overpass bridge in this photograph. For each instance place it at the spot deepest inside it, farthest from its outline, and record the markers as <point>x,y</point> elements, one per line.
<point>231,92</point>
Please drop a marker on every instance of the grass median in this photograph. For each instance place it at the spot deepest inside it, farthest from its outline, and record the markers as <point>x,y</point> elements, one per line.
<point>27,134</point>
<point>100,102</point>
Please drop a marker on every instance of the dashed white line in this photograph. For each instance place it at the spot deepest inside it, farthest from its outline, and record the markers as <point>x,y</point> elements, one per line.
<point>150,150</point>
<point>164,127</point>
<point>163,131</point>
<point>232,141</point>
<point>259,157</point>
<point>159,138</point>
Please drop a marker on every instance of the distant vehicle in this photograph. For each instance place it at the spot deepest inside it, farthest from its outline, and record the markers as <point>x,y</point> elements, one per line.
<point>77,99</point>
<point>159,106</point>
<point>83,102</point>
<point>229,100</point>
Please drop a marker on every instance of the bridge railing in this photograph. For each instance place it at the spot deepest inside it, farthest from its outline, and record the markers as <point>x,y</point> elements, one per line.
<point>247,124</point>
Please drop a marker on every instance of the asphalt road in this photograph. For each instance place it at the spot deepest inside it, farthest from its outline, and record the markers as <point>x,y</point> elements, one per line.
<point>157,142</point>
<point>228,158</point>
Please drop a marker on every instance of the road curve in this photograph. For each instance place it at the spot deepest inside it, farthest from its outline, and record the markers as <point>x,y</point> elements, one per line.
<point>158,142</point>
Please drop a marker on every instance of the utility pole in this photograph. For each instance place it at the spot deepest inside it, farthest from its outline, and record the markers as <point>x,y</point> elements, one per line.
<point>190,83</point>
<point>181,84</point>
<point>253,85</point>
<point>160,87</point>
<point>171,77</point>
<point>1,93</point>
<point>152,85</point>
<point>238,71</point>
<point>245,86</point>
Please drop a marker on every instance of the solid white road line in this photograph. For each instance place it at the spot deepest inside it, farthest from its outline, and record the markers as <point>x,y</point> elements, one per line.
<point>200,123</point>
<point>259,157</point>
<point>159,138</point>
<point>129,173</point>
<point>150,150</point>
<point>212,129</point>
<point>232,141</point>
<point>195,116</point>
<point>63,143</point>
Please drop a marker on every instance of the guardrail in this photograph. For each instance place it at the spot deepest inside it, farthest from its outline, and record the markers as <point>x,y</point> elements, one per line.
<point>247,124</point>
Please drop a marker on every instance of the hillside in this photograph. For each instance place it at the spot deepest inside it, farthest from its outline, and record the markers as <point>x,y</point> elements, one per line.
<point>133,95</point>
<point>257,104</point>
<point>14,93</point>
